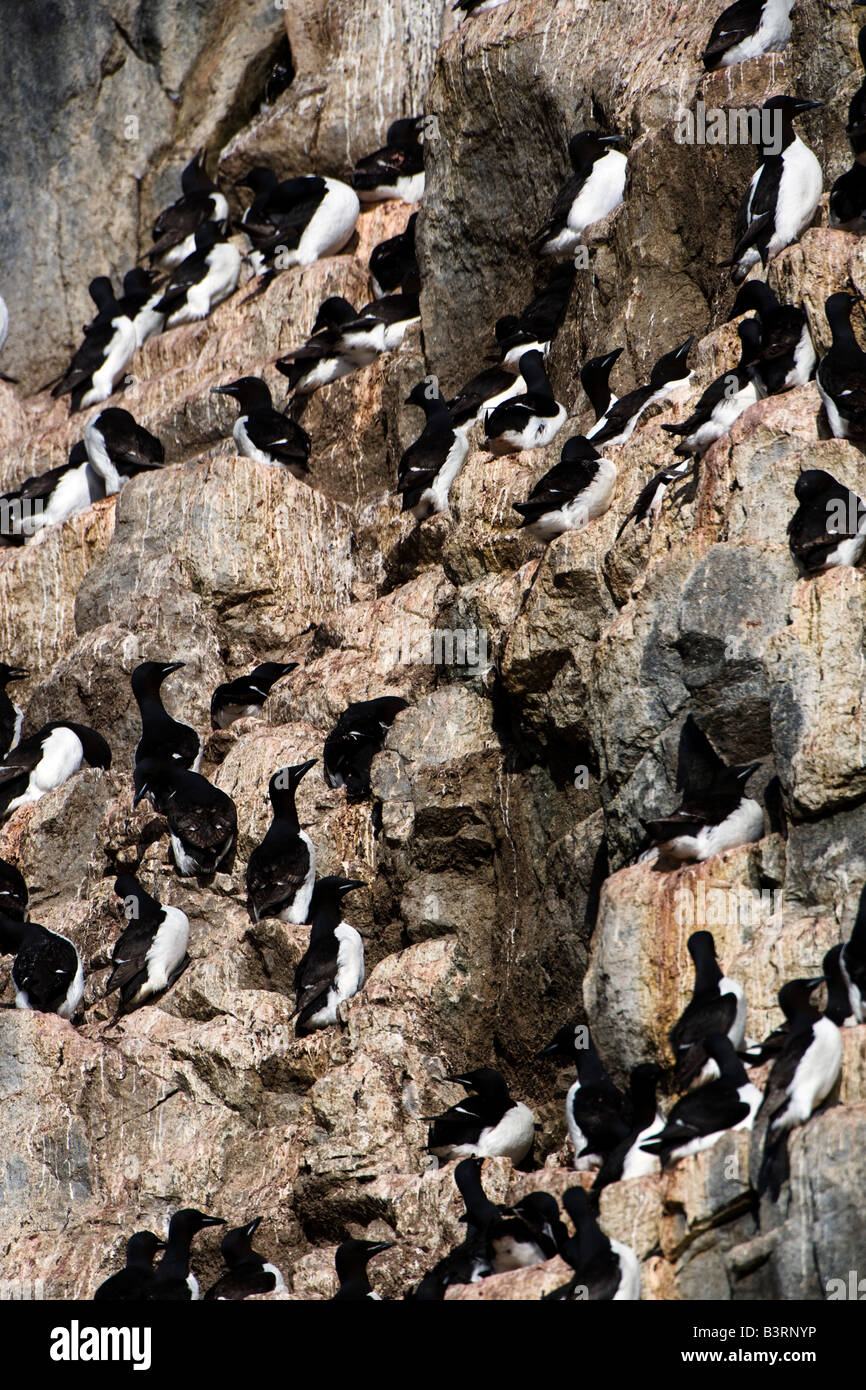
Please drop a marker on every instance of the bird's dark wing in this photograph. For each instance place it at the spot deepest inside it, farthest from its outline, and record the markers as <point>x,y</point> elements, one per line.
<point>183,277</point>
<point>620,413</point>
<point>281,437</point>
<point>130,951</point>
<point>813,529</point>
<point>560,210</point>
<point>89,357</point>
<point>204,828</point>
<point>315,972</point>
<point>274,876</point>
<point>182,219</point>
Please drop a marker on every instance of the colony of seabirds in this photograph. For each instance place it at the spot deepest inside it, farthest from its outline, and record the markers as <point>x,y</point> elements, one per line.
<point>195,266</point>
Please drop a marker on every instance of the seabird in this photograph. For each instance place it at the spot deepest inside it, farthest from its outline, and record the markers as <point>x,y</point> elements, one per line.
<point>47,971</point>
<point>783,194</point>
<point>174,1281</point>
<point>47,759</point>
<point>829,526</point>
<point>841,374</point>
<point>746,29</point>
<point>100,362</point>
<point>344,339</point>
<point>595,380</point>
<point>538,324</point>
<point>358,735</point>
<point>394,264</point>
<point>714,815</point>
<point>429,466</point>
<point>119,448</point>
<point>476,6</point>
<point>381,325</point>
<point>852,961</point>
<point>162,736</point>
<point>351,1262</point>
<point>130,1285</point>
<point>300,220</point>
<point>717,1005</point>
<point>619,420</point>
<point>282,869</point>
<point>332,968</point>
<point>848,200</point>
<point>802,1076</point>
<point>150,953</point>
<point>14,895</point>
<point>175,228</point>
<point>248,1273</point>
<point>10,715</point>
<point>648,502</point>
<point>594,189</point>
<point>324,357</point>
<point>397,169</point>
<point>701,1116</point>
<point>787,353</point>
<point>246,695</point>
<point>203,280</point>
<point>265,434</point>
<point>595,1110</point>
<point>202,819</point>
<point>628,1159</point>
<point>725,399</point>
<point>51,498</point>
<point>604,1270</point>
<point>471,1260</point>
<point>856,127</point>
<point>539,1212</point>
<point>573,493</point>
<point>528,421</point>
<point>486,1124</point>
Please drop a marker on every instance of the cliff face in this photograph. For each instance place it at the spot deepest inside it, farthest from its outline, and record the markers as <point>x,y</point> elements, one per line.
<point>500,847</point>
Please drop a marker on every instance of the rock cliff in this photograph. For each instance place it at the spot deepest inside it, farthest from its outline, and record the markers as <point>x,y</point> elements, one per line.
<point>500,843</point>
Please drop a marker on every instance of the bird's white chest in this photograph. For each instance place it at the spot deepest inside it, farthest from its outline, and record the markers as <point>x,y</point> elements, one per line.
<point>512,1137</point>
<point>331,225</point>
<point>816,1075</point>
<point>62,755</point>
<point>601,193</point>
<point>167,949</point>
<point>799,194</point>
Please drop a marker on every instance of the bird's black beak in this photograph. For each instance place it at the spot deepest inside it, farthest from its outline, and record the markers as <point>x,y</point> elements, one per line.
<point>142,791</point>
<point>744,773</point>
<point>814,983</point>
<point>351,884</point>
<point>172,666</point>
<point>17,673</point>
<point>212,1221</point>
<point>382,1245</point>
<point>807,106</point>
<point>551,1050</point>
<point>253,1225</point>
<point>222,390</point>
<point>610,139</point>
<point>303,768</point>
